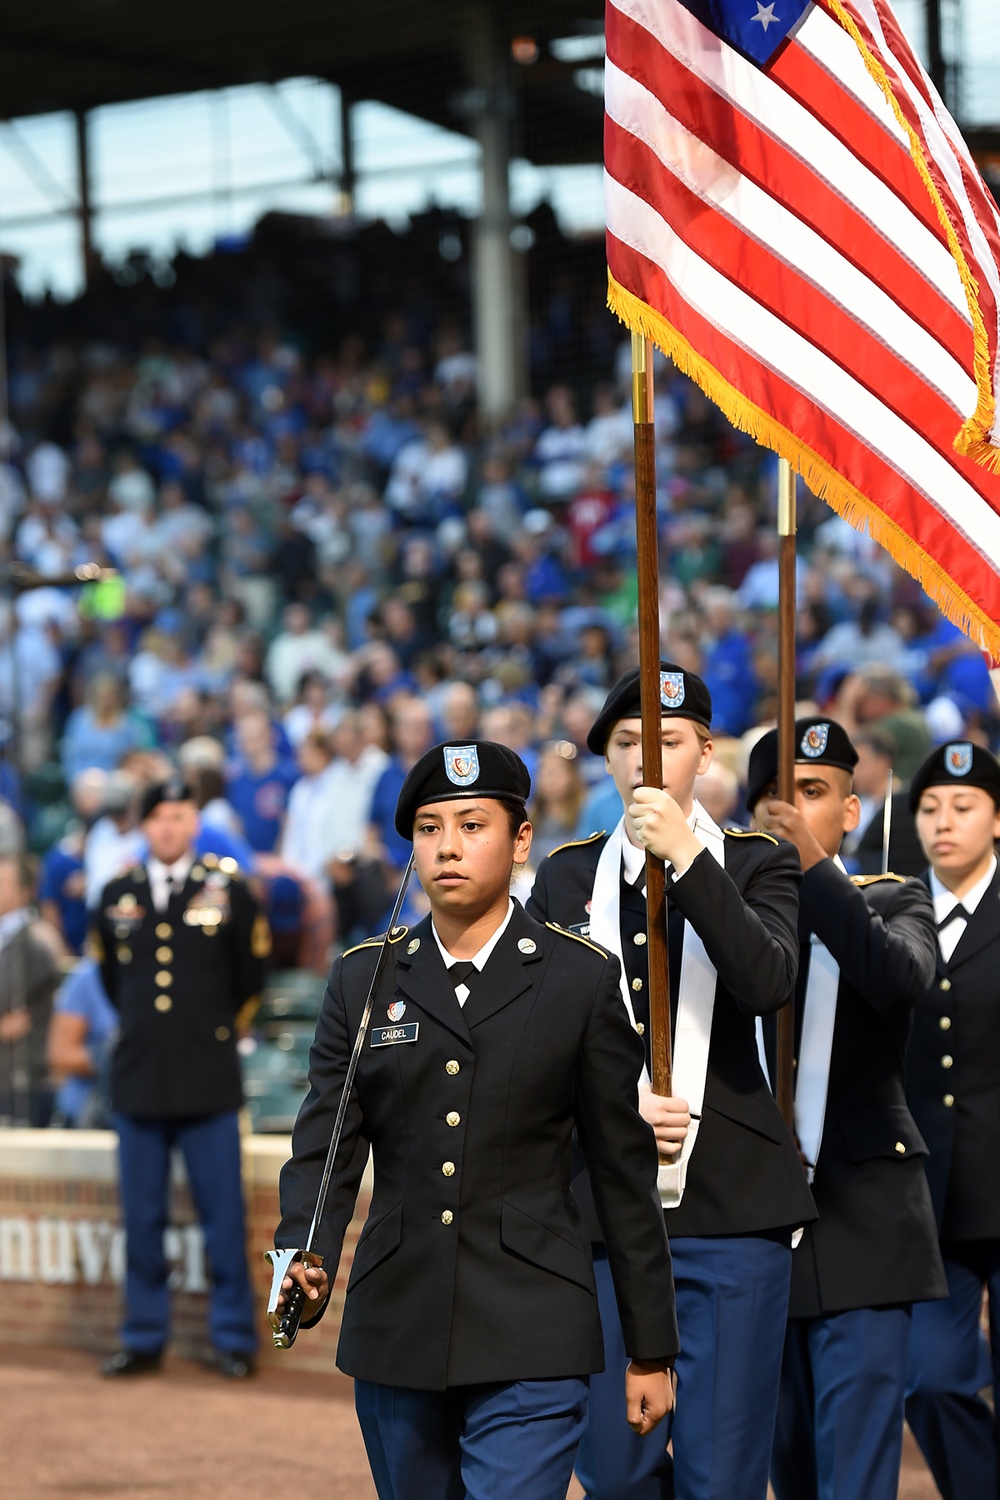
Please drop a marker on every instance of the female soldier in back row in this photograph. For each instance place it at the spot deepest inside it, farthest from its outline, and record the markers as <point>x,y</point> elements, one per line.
<point>953,1086</point>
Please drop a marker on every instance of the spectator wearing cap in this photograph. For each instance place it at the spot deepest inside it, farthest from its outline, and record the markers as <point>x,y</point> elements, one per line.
<point>181,945</point>
<point>733,1188</point>
<point>953,1085</point>
<point>470,1324</point>
<point>866,955</point>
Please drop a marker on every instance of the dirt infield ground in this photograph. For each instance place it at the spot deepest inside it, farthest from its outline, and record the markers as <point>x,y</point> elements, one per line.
<point>65,1434</point>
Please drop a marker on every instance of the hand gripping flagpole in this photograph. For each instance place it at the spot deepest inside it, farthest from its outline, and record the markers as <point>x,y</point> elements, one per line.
<point>785,1087</point>
<point>285,1324</point>
<point>647,548</point>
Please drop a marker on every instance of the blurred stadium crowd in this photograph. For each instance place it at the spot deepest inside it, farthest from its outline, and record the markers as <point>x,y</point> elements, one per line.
<point>326,561</point>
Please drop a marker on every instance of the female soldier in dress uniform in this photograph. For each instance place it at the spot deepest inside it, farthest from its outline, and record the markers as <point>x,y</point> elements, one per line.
<point>470,1322</point>
<point>953,1083</point>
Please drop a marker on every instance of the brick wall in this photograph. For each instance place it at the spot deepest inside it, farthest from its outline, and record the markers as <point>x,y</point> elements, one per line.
<point>62,1250</point>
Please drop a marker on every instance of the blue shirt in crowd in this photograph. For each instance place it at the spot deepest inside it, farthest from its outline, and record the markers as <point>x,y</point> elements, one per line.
<point>63,883</point>
<point>260,801</point>
<point>82,993</point>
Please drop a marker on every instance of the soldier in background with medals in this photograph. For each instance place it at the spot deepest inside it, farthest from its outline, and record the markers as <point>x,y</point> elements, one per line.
<point>953,1084</point>
<point>867,955</point>
<point>181,943</point>
<point>733,949</point>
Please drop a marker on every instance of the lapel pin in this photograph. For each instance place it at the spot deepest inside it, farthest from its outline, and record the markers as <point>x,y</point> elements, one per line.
<point>526,945</point>
<point>397,1010</point>
<point>412,947</point>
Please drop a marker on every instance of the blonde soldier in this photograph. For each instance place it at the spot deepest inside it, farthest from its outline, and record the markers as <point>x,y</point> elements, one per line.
<point>181,943</point>
<point>740,1190</point>
<point>470,1324</point>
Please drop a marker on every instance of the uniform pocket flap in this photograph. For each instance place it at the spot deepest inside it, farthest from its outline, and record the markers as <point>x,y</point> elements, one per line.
<point>760,1115</point>
<point>533,1241</point>
<point>378,1241</point>
<point>887,1131</point>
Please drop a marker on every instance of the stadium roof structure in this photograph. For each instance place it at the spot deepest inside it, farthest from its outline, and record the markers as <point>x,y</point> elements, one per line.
<point>413,54</point>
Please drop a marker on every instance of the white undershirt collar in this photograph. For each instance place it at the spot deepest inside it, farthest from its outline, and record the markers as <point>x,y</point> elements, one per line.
<point>480,958</point>
<point>946,901</point>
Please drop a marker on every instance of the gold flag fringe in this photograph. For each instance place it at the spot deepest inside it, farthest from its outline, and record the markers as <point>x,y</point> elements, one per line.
<point>975,439</point>
<point>819,475</point>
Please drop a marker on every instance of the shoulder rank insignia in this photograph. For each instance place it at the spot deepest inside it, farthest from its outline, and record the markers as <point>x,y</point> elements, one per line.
<point>749,833</point>
<point>576,938</point>
<point>863,880</point>
<point>395,936</point>
<point>577,843</point>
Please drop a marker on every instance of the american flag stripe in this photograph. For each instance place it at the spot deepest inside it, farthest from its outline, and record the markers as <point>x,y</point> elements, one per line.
<point>770,226</point>
<point>738,241</point>
<point>981,222</point>
<point>745,320</point>
<point>726,100</point>
<point>908,509</point>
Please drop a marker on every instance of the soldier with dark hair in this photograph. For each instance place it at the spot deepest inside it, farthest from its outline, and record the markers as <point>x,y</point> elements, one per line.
<point>953,1083</point>
<point>470,1324</point>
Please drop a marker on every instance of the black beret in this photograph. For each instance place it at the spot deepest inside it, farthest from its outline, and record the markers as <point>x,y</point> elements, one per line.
<point>682,696</point>
<point>480,769</point>
<point>172,790</point>
<point>959,764</point>
<point>818,742</point>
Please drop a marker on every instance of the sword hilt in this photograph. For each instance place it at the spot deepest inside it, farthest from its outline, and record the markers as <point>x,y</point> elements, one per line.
<point>285,1324</point>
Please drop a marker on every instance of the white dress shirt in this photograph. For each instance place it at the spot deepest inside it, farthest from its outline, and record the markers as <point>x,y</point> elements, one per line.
<point>159,873</point>
<point>945,901</point>
<point>479,959</point>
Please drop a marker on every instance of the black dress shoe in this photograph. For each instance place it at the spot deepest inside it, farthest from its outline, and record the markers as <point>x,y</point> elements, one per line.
<point>233,1364</point>
<point>130,1362</point>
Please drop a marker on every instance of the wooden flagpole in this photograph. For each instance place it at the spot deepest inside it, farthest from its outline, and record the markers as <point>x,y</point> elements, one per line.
<point>785,1087</point>
<point>647,546</point>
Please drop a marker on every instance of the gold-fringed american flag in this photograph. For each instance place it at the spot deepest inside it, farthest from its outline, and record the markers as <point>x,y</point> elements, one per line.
<point>793,217</point>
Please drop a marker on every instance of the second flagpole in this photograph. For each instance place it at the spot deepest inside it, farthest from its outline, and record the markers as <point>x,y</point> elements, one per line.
<point>647,548</point>
<point>784,1083</point>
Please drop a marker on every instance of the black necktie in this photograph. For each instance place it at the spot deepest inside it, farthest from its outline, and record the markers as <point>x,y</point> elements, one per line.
<point>462,973</point>
<point>956,911</point>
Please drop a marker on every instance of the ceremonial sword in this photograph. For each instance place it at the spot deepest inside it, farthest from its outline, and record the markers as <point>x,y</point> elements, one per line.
<point>285,1325</point>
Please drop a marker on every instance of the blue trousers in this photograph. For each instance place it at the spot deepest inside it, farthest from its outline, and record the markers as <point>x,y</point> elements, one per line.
<point>839,1433</point>
<point>211,1151</point>
<point>515,1441</point>
<point>732,1302</point>
<point>950,1363</point>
